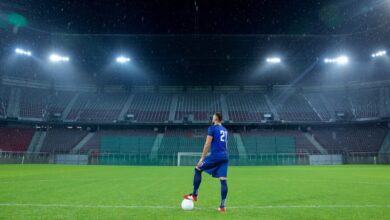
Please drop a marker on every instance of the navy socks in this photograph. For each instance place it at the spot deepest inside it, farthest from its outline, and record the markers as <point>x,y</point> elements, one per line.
<point>224,191</point>
<point>197,181</point>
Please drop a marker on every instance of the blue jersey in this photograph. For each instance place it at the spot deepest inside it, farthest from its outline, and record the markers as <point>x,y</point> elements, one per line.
<point>219,142</point>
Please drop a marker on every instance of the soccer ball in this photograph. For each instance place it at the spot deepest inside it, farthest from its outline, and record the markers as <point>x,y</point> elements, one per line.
<point>187,205</point>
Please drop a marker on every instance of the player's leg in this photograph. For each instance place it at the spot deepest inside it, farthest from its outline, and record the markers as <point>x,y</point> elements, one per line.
<point>197,180</point>
<point>222,174</point>
<point>224,191</point>
<point>196,183</point>
<point>208,165</point>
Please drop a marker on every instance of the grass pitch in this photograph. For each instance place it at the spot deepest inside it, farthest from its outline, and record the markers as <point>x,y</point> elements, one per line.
<point>123,192</point>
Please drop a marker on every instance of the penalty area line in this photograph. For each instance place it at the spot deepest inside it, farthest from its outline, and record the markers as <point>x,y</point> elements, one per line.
<point>178,207</point>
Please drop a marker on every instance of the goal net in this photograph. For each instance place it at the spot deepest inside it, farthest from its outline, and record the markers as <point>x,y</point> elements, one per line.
<point>188,158</point>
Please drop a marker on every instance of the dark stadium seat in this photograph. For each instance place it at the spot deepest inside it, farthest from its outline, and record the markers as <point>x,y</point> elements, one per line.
<point>350,139</point>
<point>4,98</point>
<point>365,103</point>
<point>58,101</point>
<point>340,102</point>
<point>296,108</point>
<point>200,106</point>
<point>175,141</point>
<point>15,139</point>
<point>33,102</point>
<point>97,107</point>
<point>276,141</point>
<point>62,140</point>
<point>121,141</point>
<point>246,107</point>
<point>318,105</point>
<point>150,107</point>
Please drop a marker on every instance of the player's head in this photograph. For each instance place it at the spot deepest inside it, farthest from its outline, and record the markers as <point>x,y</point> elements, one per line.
<point>217,118</point>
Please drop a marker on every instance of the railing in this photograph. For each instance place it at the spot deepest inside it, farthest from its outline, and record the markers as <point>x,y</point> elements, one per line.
<point>106,158</point>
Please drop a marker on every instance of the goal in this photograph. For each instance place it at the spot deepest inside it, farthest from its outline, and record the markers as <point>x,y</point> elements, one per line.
<point>188,158</point>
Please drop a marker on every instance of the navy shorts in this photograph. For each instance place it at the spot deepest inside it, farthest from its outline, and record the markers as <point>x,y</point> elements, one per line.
<point>216,167</point>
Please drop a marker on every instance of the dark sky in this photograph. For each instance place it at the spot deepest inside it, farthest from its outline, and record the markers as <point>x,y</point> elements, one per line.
<point>195,42</point>
<point>202,16</point>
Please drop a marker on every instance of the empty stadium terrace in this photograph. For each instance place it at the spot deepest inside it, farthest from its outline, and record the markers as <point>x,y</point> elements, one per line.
<point>41,101</point>
<point>155,125</point>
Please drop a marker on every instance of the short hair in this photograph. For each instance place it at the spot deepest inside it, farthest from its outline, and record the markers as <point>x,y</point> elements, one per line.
<point>219,115</point>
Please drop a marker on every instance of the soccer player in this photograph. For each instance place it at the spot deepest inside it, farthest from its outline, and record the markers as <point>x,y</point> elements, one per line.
<point>216,164</point>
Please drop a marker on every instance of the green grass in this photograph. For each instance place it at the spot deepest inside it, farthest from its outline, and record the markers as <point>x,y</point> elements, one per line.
<point>108,192</point>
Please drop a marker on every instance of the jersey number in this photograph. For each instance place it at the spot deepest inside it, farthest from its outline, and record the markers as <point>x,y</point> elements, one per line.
<point>223,136</point>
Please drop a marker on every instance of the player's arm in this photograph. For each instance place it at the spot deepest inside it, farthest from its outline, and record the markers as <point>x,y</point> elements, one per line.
<point>205,149</point>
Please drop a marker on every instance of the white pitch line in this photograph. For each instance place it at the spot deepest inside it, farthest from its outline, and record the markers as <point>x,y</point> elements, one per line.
<point>309,206</point>
<point>177,207</point>
<point>87,206</point>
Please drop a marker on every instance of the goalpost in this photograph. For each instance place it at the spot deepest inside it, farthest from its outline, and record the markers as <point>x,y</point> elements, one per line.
<point>188,158</point>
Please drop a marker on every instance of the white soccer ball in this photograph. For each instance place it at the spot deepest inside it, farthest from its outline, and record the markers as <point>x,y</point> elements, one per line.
<point>187,205</point>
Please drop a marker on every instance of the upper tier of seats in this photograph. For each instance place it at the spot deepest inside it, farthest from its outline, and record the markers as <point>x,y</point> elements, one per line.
<point>317,102</point>
<point>151,107</point>
<point>295,108</point>
<point>58,101</point>
<point>247,107</point>
<point>365,103</point>
<point>154,107</point>
<point>198,106</point>
<point>33,102</point>
<point>4,98</point>
<point>339,101</point>
<point>97,107</point>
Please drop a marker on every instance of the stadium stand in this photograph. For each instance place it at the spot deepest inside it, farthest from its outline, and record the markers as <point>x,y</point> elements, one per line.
<point>247,107</point>
<point>4,97</point>
<point>150,107</point>
<point>351,139</point>
<point>318,105</point>
<point>102,108</point>
<point>276,141</point>
<point>310,105</point>
<point>175,141</point>
<point>121,141</point>
<point>58,101</point>
<point>180,141</point>
<point>365,102</point>
<point>97,107</point>
<point>15,139</point>
<point>340,102</point>
<point>60,140</point>
<point>296,108</point>
<point>200,107</point>
<point>78,106</point>
<point>33,103</point>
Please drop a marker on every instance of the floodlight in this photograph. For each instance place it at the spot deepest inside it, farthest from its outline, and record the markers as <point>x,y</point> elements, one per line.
<point>55,58</point>
<point>273,60</point>
<point>379,54</point>
<point>338,60</point>
<point>23,52</point>
<point>122,59</point>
